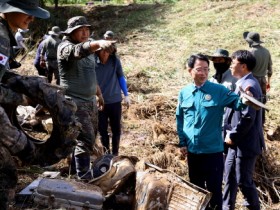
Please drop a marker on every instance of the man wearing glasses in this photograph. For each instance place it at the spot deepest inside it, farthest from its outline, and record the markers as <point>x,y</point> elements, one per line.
<point>244,135</point>
<point>199,117</point>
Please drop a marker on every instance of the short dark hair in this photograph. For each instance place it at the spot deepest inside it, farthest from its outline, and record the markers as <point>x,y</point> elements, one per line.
<point>191,60</point>
<point>245,57</point>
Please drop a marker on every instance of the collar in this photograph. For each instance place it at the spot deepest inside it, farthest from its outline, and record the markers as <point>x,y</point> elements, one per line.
<point>202,87</point>
<point>242,79</point>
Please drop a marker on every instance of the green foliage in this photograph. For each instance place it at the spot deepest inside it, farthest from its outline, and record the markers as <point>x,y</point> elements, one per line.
<point>64,2</point>
<point>58,17</point>
<point>83,2</point>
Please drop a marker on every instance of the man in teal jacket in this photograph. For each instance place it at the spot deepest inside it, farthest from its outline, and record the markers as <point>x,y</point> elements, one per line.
<point>199,125</point>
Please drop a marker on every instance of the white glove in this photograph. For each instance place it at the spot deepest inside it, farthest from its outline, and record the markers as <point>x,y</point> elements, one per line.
<point>127,101</point>
<point>109,46</point>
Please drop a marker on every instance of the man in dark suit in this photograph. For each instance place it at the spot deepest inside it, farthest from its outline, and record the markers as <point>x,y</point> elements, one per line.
<point>244,135</point>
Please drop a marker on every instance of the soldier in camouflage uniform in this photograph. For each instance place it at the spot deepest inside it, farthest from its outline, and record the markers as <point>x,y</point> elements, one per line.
<point>263,69</point>
<point>49,49</point>
<point>76,66</point>
<point>14,14</point>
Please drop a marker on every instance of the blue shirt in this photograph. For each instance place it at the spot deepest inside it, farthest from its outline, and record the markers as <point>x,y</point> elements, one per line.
<point>199,116</point>
<point>38,54</point>
<point>108,75</point>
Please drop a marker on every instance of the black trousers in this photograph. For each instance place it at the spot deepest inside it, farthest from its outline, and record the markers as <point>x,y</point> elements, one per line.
<point>41,71</point>
<point>110,115</point>
<point>206,171</point>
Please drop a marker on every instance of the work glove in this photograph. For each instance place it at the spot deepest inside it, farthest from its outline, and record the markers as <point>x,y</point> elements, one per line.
<point>109,46</point>
<point>127,101</point>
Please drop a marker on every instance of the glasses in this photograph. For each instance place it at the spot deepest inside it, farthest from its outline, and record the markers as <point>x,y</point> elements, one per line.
<point>199,70</point>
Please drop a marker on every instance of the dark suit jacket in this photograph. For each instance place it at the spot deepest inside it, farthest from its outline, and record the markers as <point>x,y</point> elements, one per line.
<point>245,127</point>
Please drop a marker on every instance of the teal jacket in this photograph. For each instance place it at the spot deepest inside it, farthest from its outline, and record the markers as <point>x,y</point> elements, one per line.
<point>199,116</point>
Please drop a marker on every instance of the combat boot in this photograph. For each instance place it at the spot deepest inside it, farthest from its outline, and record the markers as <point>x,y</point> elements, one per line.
<point>82,163</point>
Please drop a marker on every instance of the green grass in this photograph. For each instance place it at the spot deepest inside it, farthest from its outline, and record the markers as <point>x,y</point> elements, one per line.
<point>203,26</point>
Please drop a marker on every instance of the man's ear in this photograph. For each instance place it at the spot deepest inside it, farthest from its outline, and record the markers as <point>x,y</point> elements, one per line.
<point>190,70</point>
<point>244,67</point>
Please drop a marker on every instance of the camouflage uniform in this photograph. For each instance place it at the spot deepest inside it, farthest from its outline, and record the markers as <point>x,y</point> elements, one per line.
<point>50,49</point>
<point>77,75</point>
<point>12,140</point>
<point>7,40</point>
<point>263,65</point>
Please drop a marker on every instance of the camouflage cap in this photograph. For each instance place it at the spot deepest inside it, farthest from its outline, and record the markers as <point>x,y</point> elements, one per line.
<point>253,38</point>
<point>220,56</point>
<point>75,23</point>
<point>221,53</point>
<point>55,31</point>
<point>29,7</point>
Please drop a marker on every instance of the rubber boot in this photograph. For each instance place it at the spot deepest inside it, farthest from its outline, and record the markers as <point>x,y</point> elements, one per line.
<point>72,164</point>
<point>82,162</point>
<point>106,144</point>
<point>116,144</point>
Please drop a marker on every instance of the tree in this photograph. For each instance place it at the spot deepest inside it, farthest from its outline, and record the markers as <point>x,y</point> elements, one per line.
<point>56,4</point>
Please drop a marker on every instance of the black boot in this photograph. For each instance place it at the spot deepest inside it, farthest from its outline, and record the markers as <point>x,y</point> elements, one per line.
<point>82,162</point>
<point>72,165</point>
<point>116,144</point>
<point>106,144</point>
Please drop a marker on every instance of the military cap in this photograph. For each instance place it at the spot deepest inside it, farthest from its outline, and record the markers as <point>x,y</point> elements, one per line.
<point>253,38</point>
<point>109,35</point>
<point>220,56</point>
<point>75,23</point>
<point>55,31</point>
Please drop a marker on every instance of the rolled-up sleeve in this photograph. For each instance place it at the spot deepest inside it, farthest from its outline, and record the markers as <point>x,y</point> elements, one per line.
<point>69,51</point>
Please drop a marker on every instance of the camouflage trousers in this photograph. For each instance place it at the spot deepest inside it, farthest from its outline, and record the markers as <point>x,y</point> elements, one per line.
<point>87,114</point>
<point>8,177</point>
<point>262,82</point>
<point>12,141</point>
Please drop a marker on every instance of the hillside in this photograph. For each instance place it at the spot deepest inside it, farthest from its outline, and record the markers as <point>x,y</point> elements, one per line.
<point>154,41</point>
